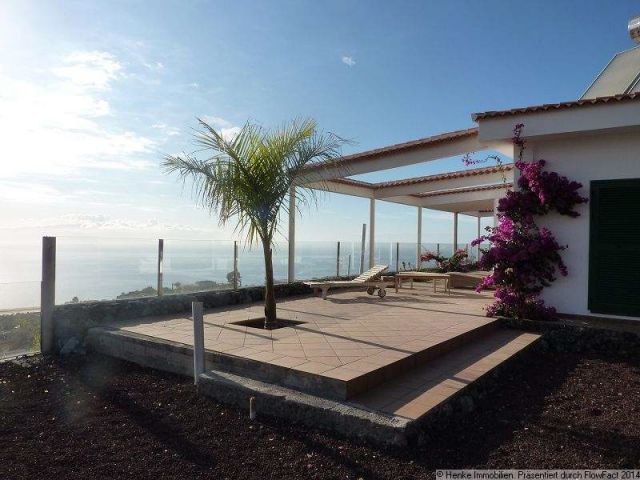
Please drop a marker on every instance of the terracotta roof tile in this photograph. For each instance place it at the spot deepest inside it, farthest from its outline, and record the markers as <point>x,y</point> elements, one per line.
<point>446,176</point>
<point>463,190</point>
<point>557,106</point>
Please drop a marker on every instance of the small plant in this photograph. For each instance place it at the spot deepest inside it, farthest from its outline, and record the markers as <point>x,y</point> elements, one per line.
<point>458,262</point>
<point>232,276</point>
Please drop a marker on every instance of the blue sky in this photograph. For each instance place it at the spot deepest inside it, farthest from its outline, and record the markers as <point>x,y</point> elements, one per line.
<point>92,94</point>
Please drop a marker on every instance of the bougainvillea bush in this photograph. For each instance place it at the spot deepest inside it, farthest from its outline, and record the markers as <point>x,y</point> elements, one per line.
<point>524,257</point>
<point>458,262</point>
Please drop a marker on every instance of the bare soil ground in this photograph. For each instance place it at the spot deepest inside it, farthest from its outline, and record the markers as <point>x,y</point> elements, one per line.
<point>95,417</point>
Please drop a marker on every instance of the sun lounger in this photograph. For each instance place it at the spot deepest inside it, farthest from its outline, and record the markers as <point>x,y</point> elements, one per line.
<point>369,279</point>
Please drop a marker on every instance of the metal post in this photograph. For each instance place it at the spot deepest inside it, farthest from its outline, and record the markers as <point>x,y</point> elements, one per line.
<point>160,266</point>
<point>437,249</point>
<point>338,261</point>
<point>455,231</point>
<point>198,340</point>
<point>292,235</point>
<point>349,267</point>
<point>397,257</point>
<point>372,232</point>
<point>364,235</point>
<point>419,244</point>
<point>48,295</point>
<point>235,265</point>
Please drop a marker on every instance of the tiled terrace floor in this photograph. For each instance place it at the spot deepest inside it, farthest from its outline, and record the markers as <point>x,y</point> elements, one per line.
<point>343,337</point>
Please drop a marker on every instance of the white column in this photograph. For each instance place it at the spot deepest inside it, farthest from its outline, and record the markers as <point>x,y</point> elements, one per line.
<point>362,246</point>
<point>372,232</point>
<point>495,211</point>
<point>478,247</point>
<point>292,235</point>
<point>455,231</point>
<point>419,244</point>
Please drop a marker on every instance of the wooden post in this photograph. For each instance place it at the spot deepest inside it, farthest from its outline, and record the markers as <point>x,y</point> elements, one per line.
<point>338,261</point>
<point>48,295</point>
<point>160,267</point>
<point>235,265</point>
<point>198,340</point>
<point>364,235</point>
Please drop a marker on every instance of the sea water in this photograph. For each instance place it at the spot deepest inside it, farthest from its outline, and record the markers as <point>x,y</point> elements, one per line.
<point>90,268</point>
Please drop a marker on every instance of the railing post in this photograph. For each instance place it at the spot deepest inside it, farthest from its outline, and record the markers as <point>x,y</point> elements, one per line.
<point>349,267</point>
<point>160,267</point>
<point>235,265</point>
<point>338,261</point>
<point>198,340</point>
<point>397,257</point>
<point>48,295</point>
<point>364,235</point>
<point>437,249</point>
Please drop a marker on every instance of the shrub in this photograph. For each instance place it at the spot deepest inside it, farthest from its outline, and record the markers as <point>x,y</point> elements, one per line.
<point>525,258</point>
<point>458,262</point>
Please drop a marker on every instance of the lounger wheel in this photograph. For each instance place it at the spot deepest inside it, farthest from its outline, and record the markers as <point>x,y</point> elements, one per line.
<point>382,293</point>
<point>371,290</point>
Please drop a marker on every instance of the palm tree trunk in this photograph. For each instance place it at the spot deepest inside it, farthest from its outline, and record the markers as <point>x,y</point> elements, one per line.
<point>269,293</point>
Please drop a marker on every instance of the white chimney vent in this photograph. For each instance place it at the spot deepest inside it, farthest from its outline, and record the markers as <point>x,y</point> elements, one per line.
<point>634,29</point>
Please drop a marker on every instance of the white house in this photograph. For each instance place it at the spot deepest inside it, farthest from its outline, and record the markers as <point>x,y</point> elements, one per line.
<point>594,140</point>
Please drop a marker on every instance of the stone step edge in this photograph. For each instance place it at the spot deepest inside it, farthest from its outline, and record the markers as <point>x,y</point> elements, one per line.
<point>143,349</point>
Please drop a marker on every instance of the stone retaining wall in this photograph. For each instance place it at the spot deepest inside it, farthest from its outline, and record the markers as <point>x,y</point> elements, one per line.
<point>565,337</point>
<point>74,319</point>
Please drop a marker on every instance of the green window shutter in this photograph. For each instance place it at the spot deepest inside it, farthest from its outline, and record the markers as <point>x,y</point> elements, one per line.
<point>614,247</point>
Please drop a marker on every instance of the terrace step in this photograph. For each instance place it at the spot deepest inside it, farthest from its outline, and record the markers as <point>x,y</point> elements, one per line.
<point>340,383</point>
<point>415,394</point>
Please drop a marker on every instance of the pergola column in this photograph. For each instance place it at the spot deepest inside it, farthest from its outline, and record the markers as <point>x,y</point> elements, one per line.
<point>372,231</point>
<point>496,201</point>
<point>292,235</point>
<point>478,254</point>
<point>419,244</point>
<point>455,231</point>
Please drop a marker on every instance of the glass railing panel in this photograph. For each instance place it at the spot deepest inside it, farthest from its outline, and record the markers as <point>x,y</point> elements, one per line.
<point>197,265</point>
<point>92,268</point>
<point>19,318</point>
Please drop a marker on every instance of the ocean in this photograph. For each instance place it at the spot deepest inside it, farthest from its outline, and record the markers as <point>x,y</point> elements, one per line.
<point>101,269</point>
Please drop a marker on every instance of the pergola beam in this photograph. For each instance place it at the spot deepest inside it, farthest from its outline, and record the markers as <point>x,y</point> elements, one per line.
<point>363,191</point>
<point>427,186</point>
<point>496,192</point>
<point>399,158</point>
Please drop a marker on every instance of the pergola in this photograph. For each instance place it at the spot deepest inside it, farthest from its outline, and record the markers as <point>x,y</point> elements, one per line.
<point>473,192</point>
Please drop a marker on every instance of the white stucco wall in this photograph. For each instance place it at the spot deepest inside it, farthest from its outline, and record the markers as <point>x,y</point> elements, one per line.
<point>605,156</point>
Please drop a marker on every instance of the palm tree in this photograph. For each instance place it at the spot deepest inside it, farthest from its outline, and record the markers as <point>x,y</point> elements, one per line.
<point>248,178</point>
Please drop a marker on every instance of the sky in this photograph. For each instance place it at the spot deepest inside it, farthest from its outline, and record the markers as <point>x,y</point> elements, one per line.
<point>93,94</point>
